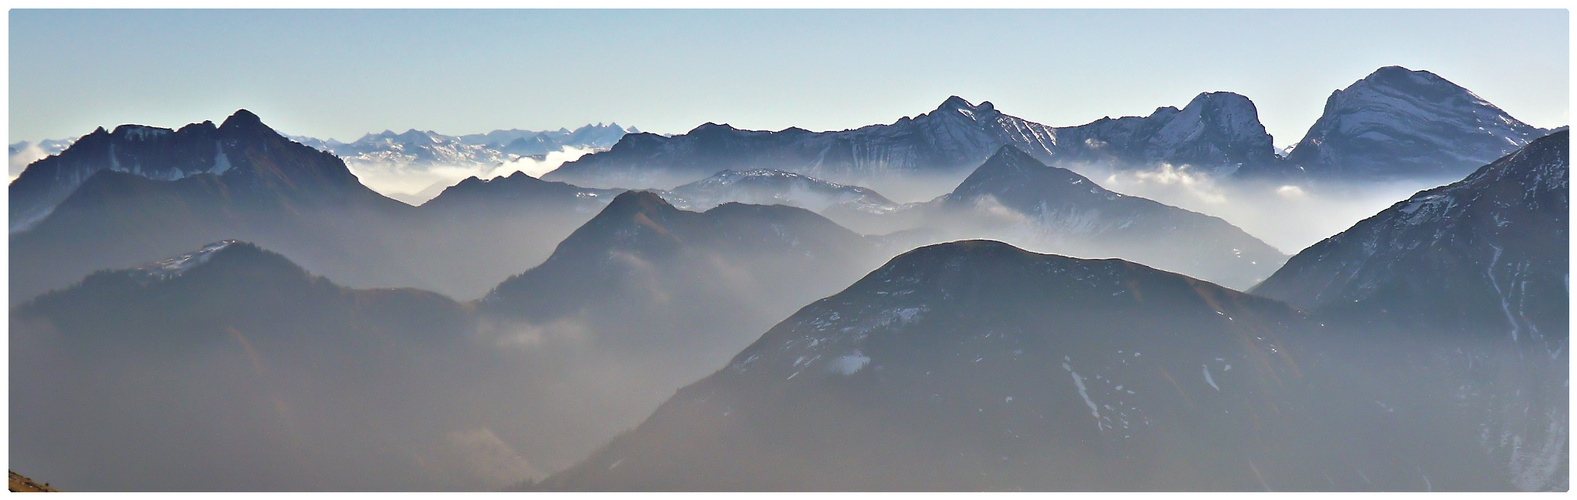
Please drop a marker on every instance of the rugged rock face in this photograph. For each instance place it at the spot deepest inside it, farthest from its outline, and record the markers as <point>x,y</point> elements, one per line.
<point>1215,131</point>
<point>1398,123</point>
<point>141,193</point>
<point>1487,253</point>
<point>1465,286</point>
<point>243,150</point>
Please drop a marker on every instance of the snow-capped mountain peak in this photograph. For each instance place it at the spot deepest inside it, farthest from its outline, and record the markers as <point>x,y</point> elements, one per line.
<point>1398,122</point>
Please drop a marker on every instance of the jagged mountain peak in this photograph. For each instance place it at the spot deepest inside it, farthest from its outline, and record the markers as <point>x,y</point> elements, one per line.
<point>242,118</point>
<point>955,102</point>
<point>1223,101</point>
<point>1010,170</point>
<point>251,156</point>
<point>956,106</point>
<point>139,132</point>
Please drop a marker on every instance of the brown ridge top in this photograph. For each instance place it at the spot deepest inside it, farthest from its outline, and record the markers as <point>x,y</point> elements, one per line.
<point>23,483</point>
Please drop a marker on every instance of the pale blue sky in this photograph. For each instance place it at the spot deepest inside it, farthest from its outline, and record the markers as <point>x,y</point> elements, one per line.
<point>344,73</point>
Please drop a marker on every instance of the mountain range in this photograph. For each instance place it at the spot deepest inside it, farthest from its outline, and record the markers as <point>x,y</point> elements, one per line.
<point>137,194</point>
<point>415,149</point>
<point>1467,285</point>
<point>1434,127</point>
<point>1103,342</point>
<point>975,365</point>
<point>229,348</point>
<point>1016,198</point>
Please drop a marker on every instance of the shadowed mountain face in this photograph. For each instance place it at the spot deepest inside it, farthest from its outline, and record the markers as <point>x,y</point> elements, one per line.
<point>146,193</point>
<point>231,368</point>
<point>641,300</point>
<point>1439,257</point>
<point>645,298</point>
<point>1464,286</point>
<point>975,365</point>
<point>262,161</point>
<point>644,267</point>
<point>1218,130</point>
<point>1014,197</point>
<point>1398,123</point>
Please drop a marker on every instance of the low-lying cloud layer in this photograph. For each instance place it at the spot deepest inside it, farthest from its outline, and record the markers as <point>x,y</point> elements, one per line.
<point>1287,216</point>
<point>417,184</point>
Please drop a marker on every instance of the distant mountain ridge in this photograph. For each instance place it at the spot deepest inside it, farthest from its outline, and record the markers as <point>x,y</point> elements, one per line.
<point>1013,195</point>
<point>768,187</point>
<point>1394,123</point>
<point>416,149</point>
<point>956,135</point>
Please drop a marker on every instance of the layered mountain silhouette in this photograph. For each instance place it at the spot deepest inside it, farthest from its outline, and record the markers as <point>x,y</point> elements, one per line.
<point>1438,258</point>
<point>645,298</point>
<point>516,193</point>
<point>771,187</point>
<point>977,366</point>
<point>141,193</point>
<point>417,150</point>
<point>264,164</point>
<point>1216,130</point>
<point>645,267</point>
<point>1425,348</point>
<point>854,207</point>
<point>1015,197</point>
<point>1463,288</point>
<point>1394,123</point>
<point>187,360</point>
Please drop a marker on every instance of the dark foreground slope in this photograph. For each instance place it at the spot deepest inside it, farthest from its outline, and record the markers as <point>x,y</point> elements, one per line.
<point>231,368</point>
<point>1466,287</point>
<point>975,365</point>
<point>119,199</point>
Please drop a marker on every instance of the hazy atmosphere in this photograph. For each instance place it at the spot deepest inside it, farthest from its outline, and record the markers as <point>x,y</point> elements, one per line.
<point>788,250</point>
